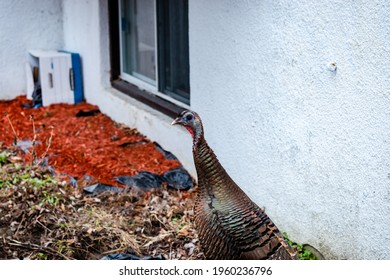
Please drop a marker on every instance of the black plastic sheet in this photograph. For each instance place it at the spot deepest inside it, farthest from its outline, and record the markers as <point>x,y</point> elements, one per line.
<point>144,180</point>
<point>167,154</point>
<point>98,188</point>
<point>89,113</point>
<point>177,178</point>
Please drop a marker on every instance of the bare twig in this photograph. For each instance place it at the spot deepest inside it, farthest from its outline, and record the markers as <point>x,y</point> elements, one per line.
<point>48,145</point>
<point>13,129</point>
<point>43,226</point>
<point>117,250</point>
<point>32,246</point>
<point>33,152</point>
<point>23,218</point>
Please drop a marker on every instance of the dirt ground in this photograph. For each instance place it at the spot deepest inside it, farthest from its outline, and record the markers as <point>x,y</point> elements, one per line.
<point>50,154</point>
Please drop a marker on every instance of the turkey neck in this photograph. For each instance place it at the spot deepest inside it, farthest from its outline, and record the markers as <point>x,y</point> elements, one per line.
<point>212,176</point>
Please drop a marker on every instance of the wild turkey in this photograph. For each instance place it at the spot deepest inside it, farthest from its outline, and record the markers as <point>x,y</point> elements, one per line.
<point>229,224</point>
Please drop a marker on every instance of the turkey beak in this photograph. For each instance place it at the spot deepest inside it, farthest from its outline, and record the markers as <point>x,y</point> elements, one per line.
<point>176,121</point>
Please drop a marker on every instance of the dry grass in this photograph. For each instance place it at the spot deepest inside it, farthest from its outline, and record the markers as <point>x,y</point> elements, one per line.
<point>43,217</point>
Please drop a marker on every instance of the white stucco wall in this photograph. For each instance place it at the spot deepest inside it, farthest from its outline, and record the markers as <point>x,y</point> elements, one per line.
<point>24,25</point>
<point>309,144</point>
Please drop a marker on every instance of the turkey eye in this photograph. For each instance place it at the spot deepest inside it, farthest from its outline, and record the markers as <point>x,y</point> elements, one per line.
<point>188,117</point>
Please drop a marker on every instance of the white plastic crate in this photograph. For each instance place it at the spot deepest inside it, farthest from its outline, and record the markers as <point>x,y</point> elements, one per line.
<point>55,76</point>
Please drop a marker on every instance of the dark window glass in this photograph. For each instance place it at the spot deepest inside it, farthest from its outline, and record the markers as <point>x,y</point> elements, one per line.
<point>154,45</point>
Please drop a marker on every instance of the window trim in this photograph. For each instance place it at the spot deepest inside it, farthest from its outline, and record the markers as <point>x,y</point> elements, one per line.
<point>168,108</point>
<point>147,94</point>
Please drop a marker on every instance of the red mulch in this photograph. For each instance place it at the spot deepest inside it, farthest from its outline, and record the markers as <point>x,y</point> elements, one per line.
<point>93,145</point>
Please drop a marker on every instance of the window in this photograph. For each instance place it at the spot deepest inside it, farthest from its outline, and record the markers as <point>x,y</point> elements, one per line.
<point>149,51</point>
<point>138,37</point>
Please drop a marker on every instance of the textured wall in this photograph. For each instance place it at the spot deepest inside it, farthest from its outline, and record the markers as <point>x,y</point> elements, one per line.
<point>86,32</point>
<point>308,143</point>
<point>25,25</point>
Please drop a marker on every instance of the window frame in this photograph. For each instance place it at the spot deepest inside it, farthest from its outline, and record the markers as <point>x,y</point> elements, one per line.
<point>132,86</point>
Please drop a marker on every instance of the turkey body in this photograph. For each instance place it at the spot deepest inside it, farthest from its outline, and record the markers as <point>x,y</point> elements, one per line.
<point>229,224</point>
